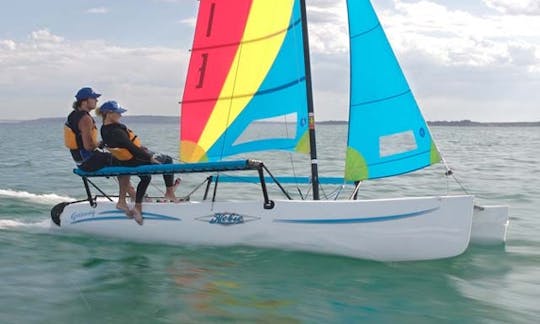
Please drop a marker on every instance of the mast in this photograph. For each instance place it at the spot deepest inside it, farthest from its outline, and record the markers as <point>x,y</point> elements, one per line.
<point>311,116</point>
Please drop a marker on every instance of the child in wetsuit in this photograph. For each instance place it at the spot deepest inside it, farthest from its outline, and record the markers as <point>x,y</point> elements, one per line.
<point>126,147</point>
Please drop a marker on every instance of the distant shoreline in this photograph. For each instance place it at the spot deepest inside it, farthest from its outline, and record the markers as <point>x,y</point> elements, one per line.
<point>455,123</point>
<point>174,120</point>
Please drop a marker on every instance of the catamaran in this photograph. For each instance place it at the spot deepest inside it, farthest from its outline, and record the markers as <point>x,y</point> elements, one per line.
<point>249,63</point>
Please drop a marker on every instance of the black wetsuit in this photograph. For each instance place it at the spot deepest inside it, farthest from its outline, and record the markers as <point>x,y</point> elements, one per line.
<point>116,136</point>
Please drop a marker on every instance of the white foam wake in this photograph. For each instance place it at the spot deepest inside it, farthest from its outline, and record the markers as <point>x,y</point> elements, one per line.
<point>41,199</point>
<point>14,224</point>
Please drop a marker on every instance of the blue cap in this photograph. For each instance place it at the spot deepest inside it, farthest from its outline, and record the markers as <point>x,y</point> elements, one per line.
<point>112,106</point>
<point>86,93</point>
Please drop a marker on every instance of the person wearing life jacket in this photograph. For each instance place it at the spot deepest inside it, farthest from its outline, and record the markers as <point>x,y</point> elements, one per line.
<point>126,147</point>
<point>80,137</point>
<point>80,133</point>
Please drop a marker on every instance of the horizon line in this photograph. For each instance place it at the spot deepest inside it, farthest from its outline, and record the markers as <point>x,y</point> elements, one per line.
<point>320,121</point>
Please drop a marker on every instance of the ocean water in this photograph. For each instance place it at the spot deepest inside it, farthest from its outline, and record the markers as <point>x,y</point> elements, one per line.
<point>52,278</point>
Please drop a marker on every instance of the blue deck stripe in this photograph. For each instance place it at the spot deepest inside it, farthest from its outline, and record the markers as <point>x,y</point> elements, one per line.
<point>147,216</point>
<point>356,220</point>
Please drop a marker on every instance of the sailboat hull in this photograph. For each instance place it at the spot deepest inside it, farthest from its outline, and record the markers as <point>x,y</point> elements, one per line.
<point>490,224</point>
<point>385,230</point>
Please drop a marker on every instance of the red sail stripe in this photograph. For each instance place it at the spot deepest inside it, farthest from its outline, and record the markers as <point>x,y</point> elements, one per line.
<point>208,69</point>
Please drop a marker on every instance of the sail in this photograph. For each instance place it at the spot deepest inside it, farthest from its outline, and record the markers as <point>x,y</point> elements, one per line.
<point>387,133</point>
<point>246,66</point>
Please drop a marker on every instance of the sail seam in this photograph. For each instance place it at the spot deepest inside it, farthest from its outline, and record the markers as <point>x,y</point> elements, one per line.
<point>291,26</point>
<point>381,99</point>
<point>400,173</point>
<point>367,31</point>
<point>258,93</point>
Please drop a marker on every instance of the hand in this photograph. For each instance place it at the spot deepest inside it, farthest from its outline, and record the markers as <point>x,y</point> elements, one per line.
<point>154,161</point>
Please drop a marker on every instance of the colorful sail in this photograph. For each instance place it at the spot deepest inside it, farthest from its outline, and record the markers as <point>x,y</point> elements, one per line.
<point>387,133</point>
<point>247,65</point>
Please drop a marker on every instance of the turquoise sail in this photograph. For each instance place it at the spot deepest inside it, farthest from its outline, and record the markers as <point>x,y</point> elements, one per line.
<point>387,134</point>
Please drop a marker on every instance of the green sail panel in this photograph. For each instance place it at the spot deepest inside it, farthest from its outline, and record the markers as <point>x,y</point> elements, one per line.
<point>388,135</point>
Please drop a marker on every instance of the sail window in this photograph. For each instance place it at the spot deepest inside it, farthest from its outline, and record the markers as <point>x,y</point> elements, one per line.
<point>282,127</point>
<point>397,143</point>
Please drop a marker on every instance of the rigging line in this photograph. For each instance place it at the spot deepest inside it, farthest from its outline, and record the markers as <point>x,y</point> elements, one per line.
<point>334,193</point>
<point>299,71</point>
<point>196,188</point>
<point>309,190</point>
<point>340,189</point>
<point>227,121</point>
<point>447,186</point>
<point>290,153</point>
<point>324,192</point>
<point>158,189</point>
<point>460,183</point>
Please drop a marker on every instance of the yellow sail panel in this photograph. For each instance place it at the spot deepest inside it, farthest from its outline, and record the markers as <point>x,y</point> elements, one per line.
<point>263,37</point>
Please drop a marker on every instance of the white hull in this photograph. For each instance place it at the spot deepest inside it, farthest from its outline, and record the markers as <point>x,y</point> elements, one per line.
<point>490,224</point>
<point>386,229</point>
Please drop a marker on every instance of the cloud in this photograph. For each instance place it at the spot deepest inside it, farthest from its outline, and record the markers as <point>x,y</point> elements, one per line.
<point>98,10</point>
<point>47,69</point>
<point>8,44</point>
<point>188,21</point>
<point>515,7</point>
<point>45,36</point>
<point>328,29</point>
<point>459,64</point>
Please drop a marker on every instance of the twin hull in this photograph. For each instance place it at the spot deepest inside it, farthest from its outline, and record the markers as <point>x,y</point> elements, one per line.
<point>384,229</point>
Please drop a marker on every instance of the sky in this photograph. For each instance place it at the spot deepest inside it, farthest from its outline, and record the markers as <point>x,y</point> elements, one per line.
<point>464,59</point>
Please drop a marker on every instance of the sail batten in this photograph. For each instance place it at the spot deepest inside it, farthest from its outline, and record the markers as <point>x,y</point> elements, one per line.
<point>388,135</point>
<point>258,93</point>
<point>366,31</point>
<point>243,42</point>
<point>381,99</point>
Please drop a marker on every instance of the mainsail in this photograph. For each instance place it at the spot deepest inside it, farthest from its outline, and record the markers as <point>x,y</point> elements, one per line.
<point>387,133</point>
<point>247,65</point>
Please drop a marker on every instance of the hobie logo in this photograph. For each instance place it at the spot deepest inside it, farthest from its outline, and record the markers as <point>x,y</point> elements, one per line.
<point>227,218</point>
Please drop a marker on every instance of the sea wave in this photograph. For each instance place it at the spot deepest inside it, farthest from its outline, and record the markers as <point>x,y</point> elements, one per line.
<point>15,164</point>
<point>36,198</point>
<point>14,224</point>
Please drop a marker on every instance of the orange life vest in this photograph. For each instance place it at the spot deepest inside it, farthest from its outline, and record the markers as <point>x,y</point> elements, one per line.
<point>73,137</point>
<point>124,154</point>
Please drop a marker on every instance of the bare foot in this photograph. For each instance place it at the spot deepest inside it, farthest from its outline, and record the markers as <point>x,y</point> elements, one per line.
<point>137,214</point>
<point>176,183</point>
<point>169,194</point>
<point>171,198</point>
<point>125,208</point>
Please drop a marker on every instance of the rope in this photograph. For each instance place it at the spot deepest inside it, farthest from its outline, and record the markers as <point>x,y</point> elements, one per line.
<point>298,73</point>
<point>461,185</point>
<point>227,121</point>
<point>324,192</point>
